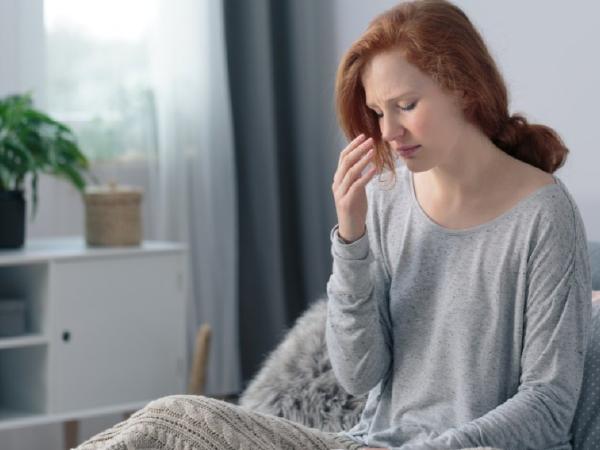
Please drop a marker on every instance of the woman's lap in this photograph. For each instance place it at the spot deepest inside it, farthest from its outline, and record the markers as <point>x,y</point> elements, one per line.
<point>192,422</point>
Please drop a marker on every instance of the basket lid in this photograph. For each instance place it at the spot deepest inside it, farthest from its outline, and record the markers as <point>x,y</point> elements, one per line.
<point>112,191</point>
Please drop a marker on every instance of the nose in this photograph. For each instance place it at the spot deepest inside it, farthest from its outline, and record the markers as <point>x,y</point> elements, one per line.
<point>391,128</point>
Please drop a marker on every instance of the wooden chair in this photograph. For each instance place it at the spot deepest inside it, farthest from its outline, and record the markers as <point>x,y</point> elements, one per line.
<point>200,359</point>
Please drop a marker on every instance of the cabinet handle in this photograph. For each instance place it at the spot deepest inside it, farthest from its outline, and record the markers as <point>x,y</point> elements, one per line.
<point>66,336</point>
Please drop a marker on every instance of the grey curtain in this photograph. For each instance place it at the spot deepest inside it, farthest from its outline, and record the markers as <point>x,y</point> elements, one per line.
<point>281,68</point>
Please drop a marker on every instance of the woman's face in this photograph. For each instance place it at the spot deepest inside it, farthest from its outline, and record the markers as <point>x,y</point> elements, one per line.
<point>412,110</point>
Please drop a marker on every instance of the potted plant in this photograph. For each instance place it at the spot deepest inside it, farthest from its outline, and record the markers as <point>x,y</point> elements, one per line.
<point>31,143</point>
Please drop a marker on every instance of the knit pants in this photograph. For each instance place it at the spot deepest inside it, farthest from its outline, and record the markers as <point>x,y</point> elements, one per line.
<point>190,422</point>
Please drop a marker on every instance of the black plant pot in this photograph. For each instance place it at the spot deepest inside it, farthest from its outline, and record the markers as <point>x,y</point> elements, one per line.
<point>12,219</point>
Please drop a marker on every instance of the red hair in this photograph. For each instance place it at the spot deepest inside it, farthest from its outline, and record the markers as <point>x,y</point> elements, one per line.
<point>439,39</point>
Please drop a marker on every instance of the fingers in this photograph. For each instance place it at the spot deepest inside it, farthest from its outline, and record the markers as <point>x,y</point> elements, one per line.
<point>355,178</point>
<point>350,155</point>
<point>353,144</point>
<point>354,150</point>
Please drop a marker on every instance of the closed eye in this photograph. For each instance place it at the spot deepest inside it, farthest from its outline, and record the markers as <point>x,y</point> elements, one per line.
<point>409,107</point>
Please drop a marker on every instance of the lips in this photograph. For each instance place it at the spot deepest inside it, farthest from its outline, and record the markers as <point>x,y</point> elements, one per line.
<point>407,151</point>
<point>406,148</point>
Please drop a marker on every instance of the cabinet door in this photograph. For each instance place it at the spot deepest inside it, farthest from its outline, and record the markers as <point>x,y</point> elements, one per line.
<point>118,331</point>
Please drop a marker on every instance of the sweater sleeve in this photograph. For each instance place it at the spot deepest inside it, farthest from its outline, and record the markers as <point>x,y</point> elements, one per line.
<point>358,325</point>
<point>555,334</point>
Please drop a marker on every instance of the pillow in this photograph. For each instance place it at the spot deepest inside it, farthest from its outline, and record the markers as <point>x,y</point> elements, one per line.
<point>586,423</point>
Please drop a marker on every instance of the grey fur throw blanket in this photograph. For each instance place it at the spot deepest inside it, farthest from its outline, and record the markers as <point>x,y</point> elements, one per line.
<point>297,382</point>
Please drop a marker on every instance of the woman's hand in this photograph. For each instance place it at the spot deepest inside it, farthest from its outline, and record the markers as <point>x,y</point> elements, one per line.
<point>349,188</point>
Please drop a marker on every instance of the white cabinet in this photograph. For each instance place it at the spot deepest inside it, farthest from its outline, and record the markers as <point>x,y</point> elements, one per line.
<point>106,329</point>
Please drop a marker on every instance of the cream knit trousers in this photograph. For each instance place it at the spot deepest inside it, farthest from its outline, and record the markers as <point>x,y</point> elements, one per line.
<point>191,422</point>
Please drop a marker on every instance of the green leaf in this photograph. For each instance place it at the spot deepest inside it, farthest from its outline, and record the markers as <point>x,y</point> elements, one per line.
<point>34,195</point>
<point>31,143</point>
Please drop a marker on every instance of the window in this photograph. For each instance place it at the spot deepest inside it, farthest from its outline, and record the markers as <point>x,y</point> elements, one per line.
<point>98,75</point>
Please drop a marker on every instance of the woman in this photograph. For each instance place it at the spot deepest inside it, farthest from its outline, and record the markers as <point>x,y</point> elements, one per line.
<point>459,298</point>
<point>460,293</point>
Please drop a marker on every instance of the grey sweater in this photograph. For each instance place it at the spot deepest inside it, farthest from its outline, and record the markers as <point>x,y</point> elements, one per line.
<point>462,338</point>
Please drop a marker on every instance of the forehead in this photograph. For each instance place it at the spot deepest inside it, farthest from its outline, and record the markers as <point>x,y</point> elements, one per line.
<point>388,74</point>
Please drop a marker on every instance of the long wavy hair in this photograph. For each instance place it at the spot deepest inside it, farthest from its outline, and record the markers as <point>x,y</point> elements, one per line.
<point>439,39</point>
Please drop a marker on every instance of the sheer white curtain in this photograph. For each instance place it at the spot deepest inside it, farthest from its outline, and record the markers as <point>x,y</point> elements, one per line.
<point>21,48</point>
<point>193,183</point>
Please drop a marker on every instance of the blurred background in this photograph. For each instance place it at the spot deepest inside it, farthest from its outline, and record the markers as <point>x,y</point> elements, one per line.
<point>222,112</point>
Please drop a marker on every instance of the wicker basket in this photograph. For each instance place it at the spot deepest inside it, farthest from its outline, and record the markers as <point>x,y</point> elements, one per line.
<point>112,215</point>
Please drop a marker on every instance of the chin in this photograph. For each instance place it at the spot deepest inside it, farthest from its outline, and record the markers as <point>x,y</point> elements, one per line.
<point>414,166</point>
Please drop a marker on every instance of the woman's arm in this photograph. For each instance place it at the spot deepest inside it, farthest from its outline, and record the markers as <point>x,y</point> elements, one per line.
<point>358,330</point>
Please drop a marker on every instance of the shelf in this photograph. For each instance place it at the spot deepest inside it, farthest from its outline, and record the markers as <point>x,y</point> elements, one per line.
<point>14,415</point>
<point>30,284</point>
<point>75,247</point>
<point>27,340</point>
<point>11,419</point>
<point>22,385</point>
<point>87,310</point>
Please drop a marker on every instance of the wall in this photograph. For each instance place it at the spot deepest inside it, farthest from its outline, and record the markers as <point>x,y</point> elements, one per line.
<point>544,51</point>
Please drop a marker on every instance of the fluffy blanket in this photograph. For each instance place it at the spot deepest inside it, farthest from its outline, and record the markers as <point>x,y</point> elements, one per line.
<point>296,380</point>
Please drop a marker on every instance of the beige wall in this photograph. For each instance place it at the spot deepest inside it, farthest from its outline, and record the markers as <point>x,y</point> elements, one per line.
<point>545,51</point>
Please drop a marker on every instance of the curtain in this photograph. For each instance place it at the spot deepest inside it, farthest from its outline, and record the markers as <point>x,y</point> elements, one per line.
<point>192,184</point>
<point>247,148</point>
<point>22,48</point>
<point>281,72</point>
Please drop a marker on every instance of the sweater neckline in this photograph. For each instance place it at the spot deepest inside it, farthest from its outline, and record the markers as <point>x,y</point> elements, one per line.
<point>520,204</point>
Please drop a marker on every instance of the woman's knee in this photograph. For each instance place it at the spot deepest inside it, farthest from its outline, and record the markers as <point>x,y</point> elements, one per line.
<point>171,400</point>
<point>185,405</point>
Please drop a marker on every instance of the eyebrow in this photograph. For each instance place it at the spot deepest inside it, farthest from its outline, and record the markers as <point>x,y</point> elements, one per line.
<point>394,98</point>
